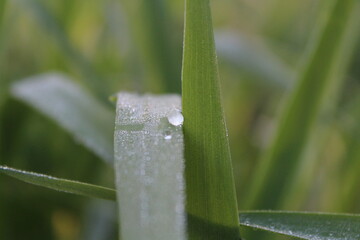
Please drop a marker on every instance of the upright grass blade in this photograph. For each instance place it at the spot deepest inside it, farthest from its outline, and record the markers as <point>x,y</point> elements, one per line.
<point>210,189</point>
<point>149,166</point>
<point>151,26</point>
<point>71,107</point>
<point>307,169</point>
<point>275,176</point>
<point>62,185</point>
<point>319,226</point>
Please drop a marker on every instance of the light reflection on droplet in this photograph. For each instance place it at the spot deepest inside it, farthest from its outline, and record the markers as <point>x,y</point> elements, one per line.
<point>176,118</point>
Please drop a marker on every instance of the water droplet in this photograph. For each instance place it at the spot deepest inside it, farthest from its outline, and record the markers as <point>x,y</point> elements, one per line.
<point>176,118</point>
<point>167,135</point>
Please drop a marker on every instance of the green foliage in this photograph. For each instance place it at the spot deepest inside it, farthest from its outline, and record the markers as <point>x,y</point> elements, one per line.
<point>278,172</point>
<point>210,192</point>
<point>63,185</point>
<point>71,107</point>
<point>305,225</point>
<point>174,180</point>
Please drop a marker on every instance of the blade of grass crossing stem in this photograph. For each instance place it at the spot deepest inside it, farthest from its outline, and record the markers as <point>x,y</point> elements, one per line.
<point>319,226</point>
<point>71,107</point>
<point>211,199</point>
<point>62,185</point>
<point>275,174</point>
<point>149,164</point>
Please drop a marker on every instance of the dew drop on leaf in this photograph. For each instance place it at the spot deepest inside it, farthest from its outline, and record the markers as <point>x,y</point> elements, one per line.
<point>176,118</point>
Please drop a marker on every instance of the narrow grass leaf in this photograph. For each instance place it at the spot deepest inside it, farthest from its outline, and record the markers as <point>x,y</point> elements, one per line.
<point>276,174</point>
<point>71,107</point>
<point>308,168</point>
<point>210,190</point>
<point>149,166</point>
<point>314,226</point>
<point>62,185</point>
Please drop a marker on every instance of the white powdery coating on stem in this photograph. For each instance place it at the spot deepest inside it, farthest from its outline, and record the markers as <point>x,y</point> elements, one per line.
<point>149,165</point>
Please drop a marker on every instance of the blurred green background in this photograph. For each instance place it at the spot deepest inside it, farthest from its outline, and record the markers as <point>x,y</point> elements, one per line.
<point>127,45</point>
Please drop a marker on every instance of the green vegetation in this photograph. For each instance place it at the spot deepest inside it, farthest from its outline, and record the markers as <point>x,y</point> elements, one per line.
<point>62,185</point>
<point>210,192</point>
<point>264,145</point>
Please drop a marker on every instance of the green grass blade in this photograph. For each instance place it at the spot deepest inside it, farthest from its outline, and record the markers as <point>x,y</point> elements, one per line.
<point>71,107</point>
<point>209,179</point>
<point>307,171</point>
<point>319,226</point>
<point>62,185</point>
<point>149,164</point>
<point>275,177</point>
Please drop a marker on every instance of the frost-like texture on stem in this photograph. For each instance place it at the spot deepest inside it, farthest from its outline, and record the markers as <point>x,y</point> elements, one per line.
<point>149,165</point>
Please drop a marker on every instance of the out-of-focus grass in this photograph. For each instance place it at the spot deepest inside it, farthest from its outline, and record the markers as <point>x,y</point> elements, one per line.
<point>97,42</point>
